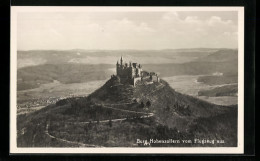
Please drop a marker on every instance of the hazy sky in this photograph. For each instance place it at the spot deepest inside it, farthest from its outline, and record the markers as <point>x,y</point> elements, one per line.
<point>127,30</point>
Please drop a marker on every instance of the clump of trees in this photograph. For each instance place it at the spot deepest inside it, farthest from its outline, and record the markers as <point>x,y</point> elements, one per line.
<point>181,108</point>
<point>142,104</point>
<point>147,104</point>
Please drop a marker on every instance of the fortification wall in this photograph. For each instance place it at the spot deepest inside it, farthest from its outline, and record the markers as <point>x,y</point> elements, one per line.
<point>155,78</point>
<point>136,79</point>
<point>133,73</point>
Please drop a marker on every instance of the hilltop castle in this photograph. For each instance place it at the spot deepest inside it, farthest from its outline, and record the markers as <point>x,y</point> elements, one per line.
<point>133,72</point>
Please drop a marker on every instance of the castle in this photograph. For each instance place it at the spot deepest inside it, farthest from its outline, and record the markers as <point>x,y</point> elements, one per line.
<point>133,72</point>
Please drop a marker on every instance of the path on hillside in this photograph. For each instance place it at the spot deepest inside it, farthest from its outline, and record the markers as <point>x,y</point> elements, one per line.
<point>107,106</point>
<point>113,104</point>
<point>67,141</point>
<point>115,120</point>
<point>146,115</point>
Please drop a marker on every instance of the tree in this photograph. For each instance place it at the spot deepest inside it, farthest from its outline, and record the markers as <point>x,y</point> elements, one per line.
<point>110,123</point>
<point>148,104</point>
<point>142,104</point>
<point>90,124</point>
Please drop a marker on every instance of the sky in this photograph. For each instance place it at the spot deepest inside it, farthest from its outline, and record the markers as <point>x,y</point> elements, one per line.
<point>127,30</point>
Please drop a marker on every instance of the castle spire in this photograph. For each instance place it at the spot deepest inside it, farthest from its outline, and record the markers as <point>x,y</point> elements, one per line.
<point>121,60</point>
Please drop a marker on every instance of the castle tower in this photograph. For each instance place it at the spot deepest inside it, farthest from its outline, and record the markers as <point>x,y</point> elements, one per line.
<point>121,61</point>
<point>118,69</point>
<point>128,72</point>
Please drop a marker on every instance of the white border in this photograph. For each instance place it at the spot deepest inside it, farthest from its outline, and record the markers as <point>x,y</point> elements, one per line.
<point>173,150</point>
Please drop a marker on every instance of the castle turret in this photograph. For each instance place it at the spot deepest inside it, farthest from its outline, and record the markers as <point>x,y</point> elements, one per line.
<point>121,61</point>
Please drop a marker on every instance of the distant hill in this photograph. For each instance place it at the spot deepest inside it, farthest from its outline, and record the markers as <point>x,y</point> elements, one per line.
<point>194,68</point>
<point>224,61</point>
<point>221,56</point>
<point>117,115</point>
<point>35,57</point>
<point>218,80</point>
<point>38,67</point>
<point>32,77</point>
<point>227,90</point>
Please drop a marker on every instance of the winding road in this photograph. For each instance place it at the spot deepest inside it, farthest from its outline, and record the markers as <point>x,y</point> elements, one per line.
<point>67,141</point>
<point>145,115</point>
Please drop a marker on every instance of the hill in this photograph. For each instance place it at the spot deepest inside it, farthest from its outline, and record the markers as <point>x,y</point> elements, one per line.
<point>33,76</point>
<point>226,90</point>
<point>221,56</point>
<point>224,61</point>
<point>218,80</point>
<point>37,67</point>
<point>117,115</point>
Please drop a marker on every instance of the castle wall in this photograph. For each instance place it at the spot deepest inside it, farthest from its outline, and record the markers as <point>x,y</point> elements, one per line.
<point>140,72</point>
<point>146,78</point>
<point>133,73</point>
<point>123,72</point>
<point>125,81</point>
<point>155,78</point>
<point>135,80</point>
<point>130,72</point>
<point>145,74</point>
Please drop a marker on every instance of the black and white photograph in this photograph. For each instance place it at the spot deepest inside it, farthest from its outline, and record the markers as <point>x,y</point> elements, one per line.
<point>127,80</point>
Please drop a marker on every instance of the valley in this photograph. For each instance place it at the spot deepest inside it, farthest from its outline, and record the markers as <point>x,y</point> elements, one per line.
<point>69,99</point>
